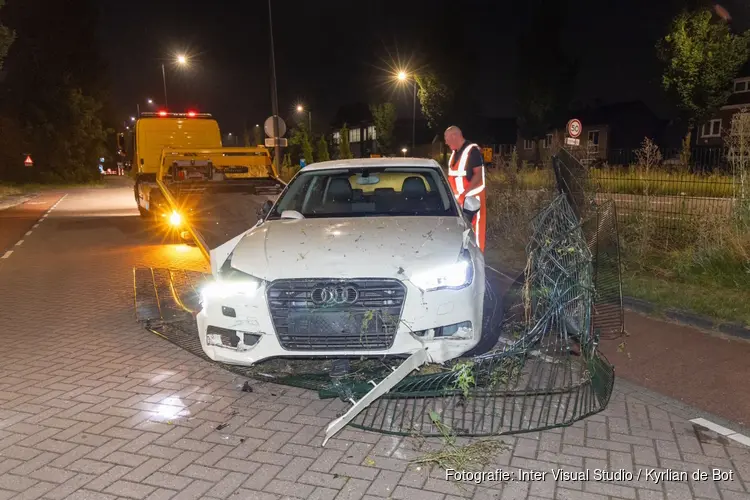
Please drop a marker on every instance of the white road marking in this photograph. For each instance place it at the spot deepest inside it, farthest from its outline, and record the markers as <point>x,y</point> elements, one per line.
<point>19,243</point>
<point>7,254</point>
<point>35,226</point>
<point>28,233</point>
<point>728,433</point>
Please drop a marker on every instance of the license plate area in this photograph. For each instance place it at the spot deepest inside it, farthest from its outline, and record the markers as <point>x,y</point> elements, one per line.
<point>323,323</point>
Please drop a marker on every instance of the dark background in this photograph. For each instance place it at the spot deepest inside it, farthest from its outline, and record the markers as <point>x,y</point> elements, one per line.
<point>330,53</point>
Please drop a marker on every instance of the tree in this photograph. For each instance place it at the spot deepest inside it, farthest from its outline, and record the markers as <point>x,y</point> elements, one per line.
<point>257,137</point>
<point>435,98</point>
<point>56,88</point>
<point>6,39</point>
<point>301,138</point>
<point>322,151</point>
<point>384,116</point>
<point>701,56</point>
<point>345,152</point>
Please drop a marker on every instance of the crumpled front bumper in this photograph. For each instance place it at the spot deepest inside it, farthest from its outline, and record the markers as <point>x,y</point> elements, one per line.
<point>422,314</point>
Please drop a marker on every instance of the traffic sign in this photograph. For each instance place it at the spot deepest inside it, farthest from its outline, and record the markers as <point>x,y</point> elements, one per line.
<point>268,126</point>
<point>28,161</point>
<point>271,143</point>
<point>487,154</point>
<point>575,128</point>
<point>302,163</point>
<point>571,141</point>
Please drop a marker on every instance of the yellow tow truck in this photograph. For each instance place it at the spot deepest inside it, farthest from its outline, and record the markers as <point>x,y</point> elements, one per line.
<point>179,163</point>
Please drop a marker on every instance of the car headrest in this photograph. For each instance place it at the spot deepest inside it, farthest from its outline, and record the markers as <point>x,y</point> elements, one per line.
<point>340,190</point>
<point>413,187</point>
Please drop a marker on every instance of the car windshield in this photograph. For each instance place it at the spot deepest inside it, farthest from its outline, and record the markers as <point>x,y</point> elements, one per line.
<point>368,192</point>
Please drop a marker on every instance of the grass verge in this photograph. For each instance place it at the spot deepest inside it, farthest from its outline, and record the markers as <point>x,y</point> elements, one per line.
<point>702,265</point>
<point>633,180</point>
<point>22,189</point>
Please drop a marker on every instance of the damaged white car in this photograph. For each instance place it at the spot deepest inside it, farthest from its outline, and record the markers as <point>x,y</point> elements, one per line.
<point>357,258</point>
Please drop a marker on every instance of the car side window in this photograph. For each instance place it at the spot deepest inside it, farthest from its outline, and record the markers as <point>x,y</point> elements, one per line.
<point>294,198</point>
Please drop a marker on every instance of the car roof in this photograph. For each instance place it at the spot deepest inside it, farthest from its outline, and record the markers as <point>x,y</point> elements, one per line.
<point>373,163</point>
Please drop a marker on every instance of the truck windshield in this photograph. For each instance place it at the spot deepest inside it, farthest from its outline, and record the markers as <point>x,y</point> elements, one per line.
<point>370,192</point>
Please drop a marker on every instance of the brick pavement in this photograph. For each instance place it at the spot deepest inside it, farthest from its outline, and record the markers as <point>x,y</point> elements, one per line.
<point>94,407</point>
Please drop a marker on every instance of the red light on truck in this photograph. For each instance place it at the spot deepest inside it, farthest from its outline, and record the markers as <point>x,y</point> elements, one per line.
<point>162,113</point>
<point>192,114</point>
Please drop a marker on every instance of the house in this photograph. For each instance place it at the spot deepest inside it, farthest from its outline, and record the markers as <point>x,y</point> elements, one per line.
<point>363,133</point>
<point>608,131</point>
<point>710,133</point>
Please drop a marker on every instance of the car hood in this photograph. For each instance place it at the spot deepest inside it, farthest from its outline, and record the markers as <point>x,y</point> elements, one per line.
<point>376,247</point>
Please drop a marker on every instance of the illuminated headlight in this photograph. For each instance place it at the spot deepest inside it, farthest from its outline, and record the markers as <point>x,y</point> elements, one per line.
<point>453,276</point>
<point>229,284</point>
<point>175,219</point>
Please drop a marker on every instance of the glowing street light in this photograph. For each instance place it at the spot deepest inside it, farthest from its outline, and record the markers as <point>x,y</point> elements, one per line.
<point>181,60</point>
<point>150,101</point>
<point>404,150</point>
<point>403,76</point>
<point>132,118</point>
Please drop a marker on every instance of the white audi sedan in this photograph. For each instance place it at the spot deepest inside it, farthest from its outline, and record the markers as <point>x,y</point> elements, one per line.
<point>363,257</point>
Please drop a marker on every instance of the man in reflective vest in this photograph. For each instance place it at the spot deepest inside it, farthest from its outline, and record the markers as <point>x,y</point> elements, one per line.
<point>466,177</point>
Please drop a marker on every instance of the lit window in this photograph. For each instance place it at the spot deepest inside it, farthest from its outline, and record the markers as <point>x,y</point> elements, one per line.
<point>711,129</point>
<point>371,135</point>
<point>528,144</point>
<point>336,137</point>
<point>354,135</point>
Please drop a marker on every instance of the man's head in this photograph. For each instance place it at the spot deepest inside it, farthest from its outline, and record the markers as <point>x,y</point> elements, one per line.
<point>454,138</point>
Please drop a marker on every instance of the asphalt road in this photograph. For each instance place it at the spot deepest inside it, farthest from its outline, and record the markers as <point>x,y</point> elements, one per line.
<point>93,406</point>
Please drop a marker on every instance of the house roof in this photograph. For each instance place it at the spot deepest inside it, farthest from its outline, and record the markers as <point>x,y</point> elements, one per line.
<point>609,113</point>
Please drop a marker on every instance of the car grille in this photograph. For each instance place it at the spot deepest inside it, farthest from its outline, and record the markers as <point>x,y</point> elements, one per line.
<point>331,315</point>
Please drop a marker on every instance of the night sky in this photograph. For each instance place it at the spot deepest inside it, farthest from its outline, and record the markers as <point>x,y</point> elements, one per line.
<point>333,52</point>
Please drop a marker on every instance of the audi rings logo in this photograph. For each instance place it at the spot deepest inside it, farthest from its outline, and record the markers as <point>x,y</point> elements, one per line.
<point>331,295</point>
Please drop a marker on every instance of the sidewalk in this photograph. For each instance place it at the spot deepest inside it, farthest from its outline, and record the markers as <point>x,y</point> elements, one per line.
<point>702,369</point>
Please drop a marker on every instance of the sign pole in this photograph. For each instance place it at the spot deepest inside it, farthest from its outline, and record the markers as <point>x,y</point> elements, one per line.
<point>274,98</point>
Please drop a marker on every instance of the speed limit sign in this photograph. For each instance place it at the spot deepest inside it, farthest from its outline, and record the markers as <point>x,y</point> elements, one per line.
<point>574,128</point>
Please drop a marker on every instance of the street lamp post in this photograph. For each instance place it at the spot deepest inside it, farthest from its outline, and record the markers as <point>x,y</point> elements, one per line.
<point>301,109</point>
<point>182,61</point>
<point>404,150</point>
<point>164,79</point>
<point>403,76</point>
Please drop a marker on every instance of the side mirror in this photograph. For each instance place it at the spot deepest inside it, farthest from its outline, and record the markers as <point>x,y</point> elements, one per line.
<point>471,207</point>
<point>472,204</point>
<point>266,208</point>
